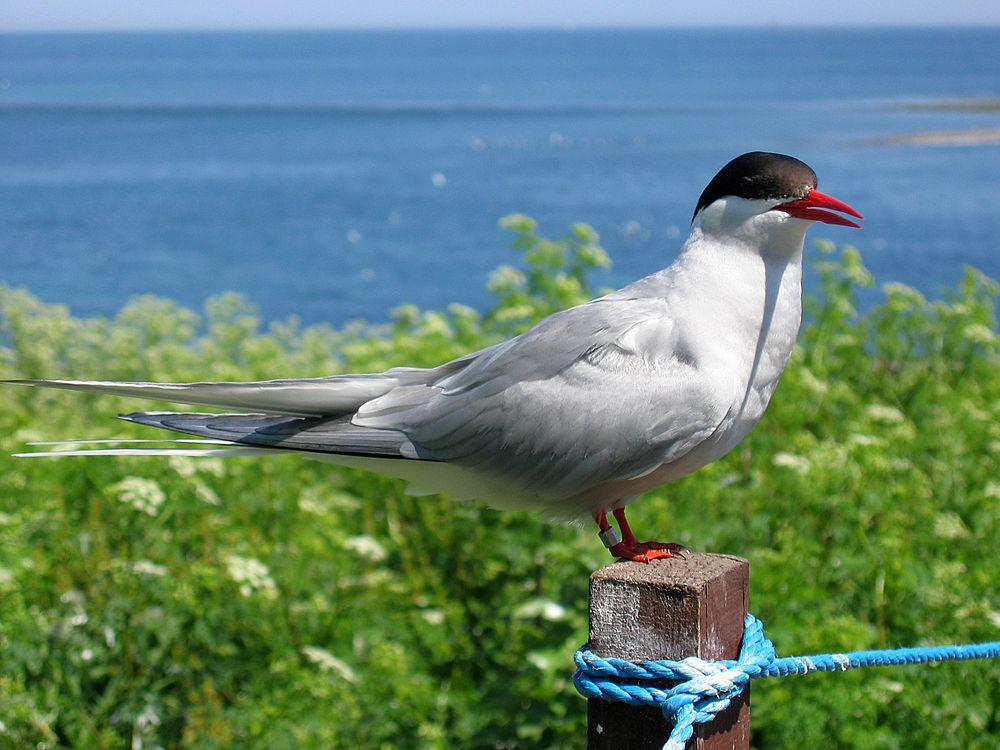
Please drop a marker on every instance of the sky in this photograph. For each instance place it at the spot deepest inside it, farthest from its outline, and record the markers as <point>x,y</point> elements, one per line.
<point>104,15</point>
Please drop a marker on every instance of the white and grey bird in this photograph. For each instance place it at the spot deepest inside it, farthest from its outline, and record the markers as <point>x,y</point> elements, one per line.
<point>577,416</point>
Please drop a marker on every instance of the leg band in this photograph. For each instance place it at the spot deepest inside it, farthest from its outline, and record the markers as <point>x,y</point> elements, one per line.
<point>609,537</point>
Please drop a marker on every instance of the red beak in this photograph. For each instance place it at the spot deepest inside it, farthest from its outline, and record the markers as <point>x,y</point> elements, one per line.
<point>809,208</point>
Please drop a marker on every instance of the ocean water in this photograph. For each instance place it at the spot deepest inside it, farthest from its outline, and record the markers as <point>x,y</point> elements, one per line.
<point>335,175</point>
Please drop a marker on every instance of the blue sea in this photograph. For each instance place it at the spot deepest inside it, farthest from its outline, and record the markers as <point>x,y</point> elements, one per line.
<point>336,175</point>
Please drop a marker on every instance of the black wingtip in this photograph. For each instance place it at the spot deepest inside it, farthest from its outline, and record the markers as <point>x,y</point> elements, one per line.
<point>141,417</point>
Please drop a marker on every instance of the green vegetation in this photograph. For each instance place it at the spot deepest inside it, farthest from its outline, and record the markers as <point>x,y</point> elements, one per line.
<point>281,603</point>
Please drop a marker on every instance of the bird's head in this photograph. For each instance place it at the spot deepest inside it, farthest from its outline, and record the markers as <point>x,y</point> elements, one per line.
<point>768,201</point>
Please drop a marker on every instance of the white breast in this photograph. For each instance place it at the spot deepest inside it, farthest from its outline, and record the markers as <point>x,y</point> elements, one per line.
<point>741,311</point>
<point>775,328</point>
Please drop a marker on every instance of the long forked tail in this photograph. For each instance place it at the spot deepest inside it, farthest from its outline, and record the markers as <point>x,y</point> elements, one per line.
<point>312,415</point>
<point>167,450</point>
<point>312,435</point>
<point>304,397</point>
<point>248,435</point>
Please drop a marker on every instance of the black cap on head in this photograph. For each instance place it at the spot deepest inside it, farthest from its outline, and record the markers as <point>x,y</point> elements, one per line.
<point>760,175</point>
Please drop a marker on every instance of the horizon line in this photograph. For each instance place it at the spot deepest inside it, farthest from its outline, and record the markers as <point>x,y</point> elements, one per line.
<point>565,28</point>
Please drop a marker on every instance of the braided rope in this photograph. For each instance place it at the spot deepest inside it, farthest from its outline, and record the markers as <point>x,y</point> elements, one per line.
<point>703,688</point>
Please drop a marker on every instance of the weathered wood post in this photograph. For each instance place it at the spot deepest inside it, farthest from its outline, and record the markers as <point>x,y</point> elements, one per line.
<point>668,609</point>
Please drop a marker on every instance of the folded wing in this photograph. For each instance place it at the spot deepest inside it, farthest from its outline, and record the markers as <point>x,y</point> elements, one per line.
<point>309,434</point>
<point>601,393</point>
<point>303,397</point>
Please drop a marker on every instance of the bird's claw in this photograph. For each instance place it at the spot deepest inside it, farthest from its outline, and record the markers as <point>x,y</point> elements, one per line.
<point>624,545</point>
<point>678,550</point>
<point>646,552</point>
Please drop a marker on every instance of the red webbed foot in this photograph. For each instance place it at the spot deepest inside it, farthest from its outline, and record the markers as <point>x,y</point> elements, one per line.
<point>676,550</point>
<point>626,547</point>
<point>645,552</point>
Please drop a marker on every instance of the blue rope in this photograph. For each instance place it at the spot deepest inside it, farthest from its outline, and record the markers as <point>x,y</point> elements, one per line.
<point>704,688</point>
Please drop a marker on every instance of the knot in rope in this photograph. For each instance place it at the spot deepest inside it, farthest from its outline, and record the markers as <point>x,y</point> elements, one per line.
<point>693,691</point>
<point>700,690</point>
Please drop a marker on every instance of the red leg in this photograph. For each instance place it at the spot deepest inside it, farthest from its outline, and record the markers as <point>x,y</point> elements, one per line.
<point>601,519</point>
<point>627,536</point>
<point>627,547</point>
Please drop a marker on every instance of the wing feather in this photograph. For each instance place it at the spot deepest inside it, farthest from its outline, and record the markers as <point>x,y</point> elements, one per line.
<point>599,394</point>
<point>303,397</point>
<point>566,406</point>
<point>316,434</point>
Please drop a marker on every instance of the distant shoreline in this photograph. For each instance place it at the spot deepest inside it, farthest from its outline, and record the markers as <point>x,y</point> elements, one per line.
<point>974,137</point>
<point>959,105</point>
<point>978,137</point>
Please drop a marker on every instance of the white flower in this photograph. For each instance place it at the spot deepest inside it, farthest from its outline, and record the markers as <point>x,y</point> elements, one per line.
<point>213,466</point>
<point>405,313</point>
<point>144,495</point>
<point>74,597</point>
<point>183,465</point>
<point>514,312</point>
<point>434,323</point>
<point>979,333</point>
<point>206,494</point>
<point>366,546</point>
<point>309,504</point>
<point>433,616</point>
<point>5,576</point>
<point>887,414</point>
<point>146,567</point>
<point>251,574</point>
<point>728,480</point>
<point>188,467</point>
<point>539,661</point>
<point>948,525</point>
<point>798,464</point>
<point>547,610</point>
<point>505,277</point>
<point>147,719</point>
<point>864,440</point>
<point>328,662</point>
<point>900,464</point>
<point>462,311</point>
<point>87,654</point>
<point>813,383</point>
<point>902,290</point>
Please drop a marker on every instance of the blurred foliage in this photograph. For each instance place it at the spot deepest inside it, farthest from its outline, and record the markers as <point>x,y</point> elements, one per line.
<point>281,603</point>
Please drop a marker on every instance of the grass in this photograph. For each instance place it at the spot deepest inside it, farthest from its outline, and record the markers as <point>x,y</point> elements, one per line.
<point>280,603</point>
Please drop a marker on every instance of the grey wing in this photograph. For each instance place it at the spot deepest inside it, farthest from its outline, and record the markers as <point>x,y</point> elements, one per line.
<point>595,394</point>
<point>304,397</point>
<point>309,434</point>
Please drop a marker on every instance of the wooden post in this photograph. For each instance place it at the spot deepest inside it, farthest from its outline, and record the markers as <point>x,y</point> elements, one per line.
<point>668,609</point>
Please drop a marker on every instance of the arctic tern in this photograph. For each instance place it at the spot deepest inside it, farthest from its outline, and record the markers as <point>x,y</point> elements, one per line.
<point>582,413</point>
